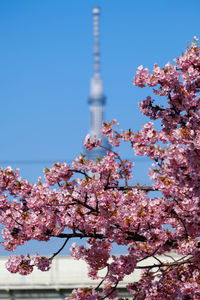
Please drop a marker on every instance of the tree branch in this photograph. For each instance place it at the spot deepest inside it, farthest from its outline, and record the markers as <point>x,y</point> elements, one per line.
<point>80,235</point>
<point>176,263</point>
<point>56,253</point>
<point>130,187</point>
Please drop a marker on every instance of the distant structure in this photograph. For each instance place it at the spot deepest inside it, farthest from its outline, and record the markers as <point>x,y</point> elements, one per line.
<point>65,275</point>
<point>97,98</point>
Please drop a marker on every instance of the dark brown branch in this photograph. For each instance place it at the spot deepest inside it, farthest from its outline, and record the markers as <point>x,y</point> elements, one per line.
<point>152,254</point>
<point>131,236</point>
<point>104,278</point>
<point>177,263</point>
<point>76,201</point>
<point>85,205</point>
<point>56,253</point>
<point>80,172</point>
<point>179,218</point>
<point>113,289</point>
<point>127,188</point>
<point>80,235</point>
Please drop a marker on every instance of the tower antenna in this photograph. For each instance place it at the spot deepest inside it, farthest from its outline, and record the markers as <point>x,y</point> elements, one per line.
<point>96,13</point>
<point>96,99</point>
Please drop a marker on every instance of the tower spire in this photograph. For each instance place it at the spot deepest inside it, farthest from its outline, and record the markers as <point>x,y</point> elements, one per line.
<point>96,99</point>
<point>96,12</point>
<point>96,87</point>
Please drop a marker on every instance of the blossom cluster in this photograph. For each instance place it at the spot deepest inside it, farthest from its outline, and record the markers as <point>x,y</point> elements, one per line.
<point>24,264</point>
<point>97,200</point>
<point>90,143</point>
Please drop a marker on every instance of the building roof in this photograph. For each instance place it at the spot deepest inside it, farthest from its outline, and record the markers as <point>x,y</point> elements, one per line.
<point>66,273</point>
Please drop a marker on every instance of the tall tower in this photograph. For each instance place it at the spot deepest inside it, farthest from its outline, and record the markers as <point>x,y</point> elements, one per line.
<point>97,99</point>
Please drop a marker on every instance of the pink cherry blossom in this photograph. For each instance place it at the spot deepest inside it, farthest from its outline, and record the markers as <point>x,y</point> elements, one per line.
<point>19,264</point>
<point>98,200</point>
<point>42,263</point>
<point>90,143</point>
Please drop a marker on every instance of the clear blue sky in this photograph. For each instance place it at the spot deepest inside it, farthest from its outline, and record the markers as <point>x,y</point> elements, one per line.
<point>46,64</point>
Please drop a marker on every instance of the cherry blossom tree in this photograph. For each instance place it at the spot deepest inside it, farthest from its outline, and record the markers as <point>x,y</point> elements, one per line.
<point>95,200</point>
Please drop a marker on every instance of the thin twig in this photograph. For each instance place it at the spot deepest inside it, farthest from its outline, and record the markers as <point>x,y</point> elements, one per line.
<point>113,289</point>
<point>164,265</point>
<point>130,187</point>
<point>98,286</point>
<point>56,253</point>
